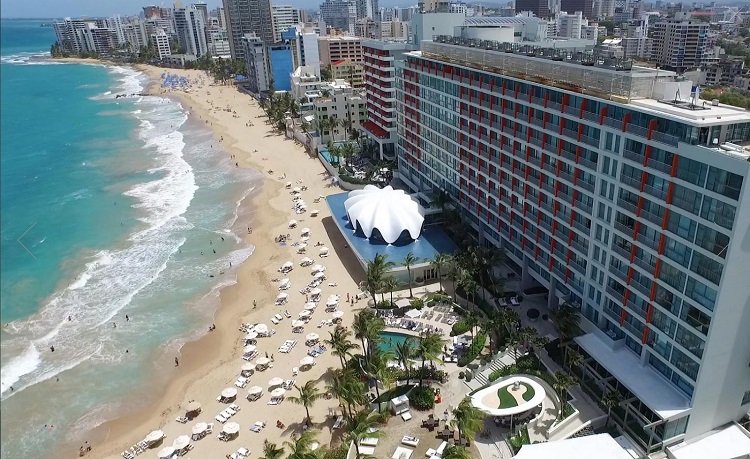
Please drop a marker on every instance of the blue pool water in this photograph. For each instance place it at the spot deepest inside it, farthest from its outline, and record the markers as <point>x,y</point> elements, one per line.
<point>390,340</point>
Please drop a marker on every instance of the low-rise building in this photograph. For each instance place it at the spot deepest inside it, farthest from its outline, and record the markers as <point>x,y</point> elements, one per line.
<point>347,70</point>
<point>342,103</point>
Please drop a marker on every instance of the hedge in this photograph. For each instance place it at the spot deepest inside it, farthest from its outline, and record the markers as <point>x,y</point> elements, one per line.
<point>422,398</point>
<point>528,364</point>
<point>477,344</point>
<point>459,328</point>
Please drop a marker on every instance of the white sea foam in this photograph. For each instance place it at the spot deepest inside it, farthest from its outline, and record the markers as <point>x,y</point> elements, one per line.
<point>18,367</point>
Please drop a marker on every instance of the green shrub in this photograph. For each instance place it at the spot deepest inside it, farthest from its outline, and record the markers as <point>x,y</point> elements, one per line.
<point>393,393</point>
<point>422,398</point>
<point>517,441</point>
<point>477,344</point>
<point>487,308</point>
<point>416,303</point>
<point>385,305</point>
<point>438,297</point>
<point>472,366</point>
<point>459,328</point>
<point>339,452</point>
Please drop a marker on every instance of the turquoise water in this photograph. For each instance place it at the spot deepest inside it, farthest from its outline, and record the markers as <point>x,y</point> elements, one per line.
<point>390,340</point>
<point>122,206</point>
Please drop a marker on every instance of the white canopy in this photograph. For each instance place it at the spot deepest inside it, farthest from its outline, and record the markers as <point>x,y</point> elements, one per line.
<point>310,306</point>
<point>262,328</point>
<point>312,337</point>
<point>199,428</point>
<point>301,247</point>
<point>288,264</point>
<point>166,452</point>
<point>251,335</point>
<point>304,238</point>
<point>154,436</point>
<point>255,390</point>
<point>193,406</point>
<point>275,382</point>
<point>338,314</point>
<point>306,361</point>
<point>315,211</point>
<point>319,275</point>
<point>324,250</point>
<point>297,189</point>
<point>262,361</point>
<point>231,428</point>
<point>181,442</point>
<point>278,392</point>
<point>412,313</point>
<point>318,268</point>
<point>284,281</point>
<point>229,392</point>
<point>248,367</point>
<point>333,300</point>
<point>305,231</point>
<point>250,348</point>
<point>316,292</point>
<point>297,323</point>
<point>292,223</point>
<point>305,313</point>
<point>282,295</point>
<point>305,261</point>
<point>385,209</point>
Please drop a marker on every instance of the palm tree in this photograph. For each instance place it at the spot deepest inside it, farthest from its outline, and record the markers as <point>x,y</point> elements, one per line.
<point>390,284</point>
<point>363,425</point>
<point>299,446</point>
<point>471,319</point>
<point>361,322</point>
<point>376,367</point>
<point>410,260</point>
<point>404,351</point>
<point>575,359</point>
<point>611,399</point>
<point>376,269</point>
<point>348,388</point>
<point>428,347</point>
<point>454,274</point>
<point>456,452</point>
<point>563,382</point>
<point>566,321</point>
<point>333,123</point>
<point>440,260</point>
<point>271,451</point>
<point>442,199</point>
<point>467,419</point>
<point>305,126</point>
<point>308,395</point>
<point>470,286</point>
<point>341,344</point>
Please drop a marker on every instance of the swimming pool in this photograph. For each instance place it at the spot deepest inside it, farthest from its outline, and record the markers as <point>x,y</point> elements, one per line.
<point>390,340</point>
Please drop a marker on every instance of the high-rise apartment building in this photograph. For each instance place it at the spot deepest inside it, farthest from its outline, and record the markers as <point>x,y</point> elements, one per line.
<point>257,62</point>
<point>247,16</point>
<point>115,23</point>
<point>284,18</point>
<point>680,43</point>
<point>619,192</point>
<point>584,6</point>
<point>305,51</point>
<point>380,92</point>
<point>540,8</point>
<point>161,44</point>
<point>570,25</point>
<point>190,26</point>
<point>86,36</point>
<point>339,14</point>
<point>334,48</point>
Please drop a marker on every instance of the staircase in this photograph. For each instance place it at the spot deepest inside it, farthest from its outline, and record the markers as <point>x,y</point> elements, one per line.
<point>481,376</point>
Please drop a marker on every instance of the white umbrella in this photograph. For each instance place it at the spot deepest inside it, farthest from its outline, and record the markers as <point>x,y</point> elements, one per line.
<point>333,300</point>
<point>248,367</point>
<point>199,428</point>
<point>310,306</point>
<point>338,314</point>
<point>275,382</point>
<point>288,264</point>
<point>282,296</point>
<point>302,247</point>
<point>316,292</point>
<point>292,223</point>
<point>304,238</point>
<point>305,260</point>
<point>231,428</point>
<point>297,189</point>
<point>297,323</point>
<point>324,250</point>
<point>302,205</point>
<point>305,231</point>
<point>319,275</point>
<point>307,361</point>
<point>261,328</point>
<point>251,335</point>
<point>255,390</point>
<point>263,361</point>
<point>193,406</point>
<point>305,313</point>
<point>412,313</point>
<point>278,392</point>
<point>181,442</point>
<point>250,348</point>
<point>229,392</point>
<point>288,184</point>
<point>318,268</point>
<point>312,337</point>
<point>154,436</point>
<point>166,452</point>
<point>284,281</point>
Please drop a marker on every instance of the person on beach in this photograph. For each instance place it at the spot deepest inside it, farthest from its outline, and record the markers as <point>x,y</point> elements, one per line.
<point>127,319</point>
<point>52,348</point>
<point>255,304</point>
<point>114,325</point>
<point>266,354</point>
<point>176,362</point>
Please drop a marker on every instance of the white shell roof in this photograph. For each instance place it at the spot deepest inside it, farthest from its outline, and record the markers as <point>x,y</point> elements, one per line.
<point>390,211</point>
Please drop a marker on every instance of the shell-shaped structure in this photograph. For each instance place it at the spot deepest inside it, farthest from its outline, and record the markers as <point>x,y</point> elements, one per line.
<point>389,211</point>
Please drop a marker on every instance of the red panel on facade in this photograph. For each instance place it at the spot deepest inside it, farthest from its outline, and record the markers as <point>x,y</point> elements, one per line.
<point>651,127</point>
<point>625,121</point>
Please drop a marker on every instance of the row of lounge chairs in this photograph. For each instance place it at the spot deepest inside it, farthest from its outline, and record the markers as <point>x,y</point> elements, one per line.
<point>316,351</point>
<point>228,412</point>
<point>240,454</point>
<point>288,346</point>
<point>413,325</point>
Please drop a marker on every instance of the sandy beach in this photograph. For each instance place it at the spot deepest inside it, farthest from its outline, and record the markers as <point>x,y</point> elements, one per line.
<point>213,363</point>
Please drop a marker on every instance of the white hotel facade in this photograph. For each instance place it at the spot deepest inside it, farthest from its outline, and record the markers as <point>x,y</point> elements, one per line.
<point>604,190</point>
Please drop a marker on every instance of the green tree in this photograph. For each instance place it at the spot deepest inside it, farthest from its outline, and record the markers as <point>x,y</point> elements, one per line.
<point>367,328</point>
<point>467,419</point>
<point>347,152</point>
<point>349,389</point>
<point>390,283</point>
<point>341,344</point>
<point>563,382</point>
<point>404,352</point>
<point>439,261</point>
<point>299,446</point>
<point>363,425</point>
<point>375,272</point>
<point>456,452</point>
<point>410,260</point>
<point>271,451</point>
<point>575,359</point>
<point>325,74</point>
<point>610,399</point>
<point>308,395</point>
<point>429,346</point>
<point>376,367</point>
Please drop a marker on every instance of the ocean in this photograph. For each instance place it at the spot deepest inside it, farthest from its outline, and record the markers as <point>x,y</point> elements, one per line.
<point>110,207</point>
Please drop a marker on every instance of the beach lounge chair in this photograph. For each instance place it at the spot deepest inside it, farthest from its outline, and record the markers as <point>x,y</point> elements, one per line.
<point>127,455</point>
<point>241,382</point>
<point>210,428</point>
<point>235,407</point>
<point>287,315</point>
<point>181,419</point>
<point>406,415</point>
<point>295,371</point>
<point>410,441</point>
<point>278,317</point>
<point>288,384</point>
<point>243,452</point>
<point>441,448</point>
<point>366,450</point>
<point>368,441</point>
<point>220,418</point>
<point>274,320</point>
<point>339,422</point>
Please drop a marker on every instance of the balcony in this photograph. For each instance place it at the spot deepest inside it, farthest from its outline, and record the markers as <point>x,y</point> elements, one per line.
<point>580,247</point>
<point>621,272</point>
<point>586,185</point>
<point>570,133</point>
<point>635,330</point>
<point>627,205</point>
<point>644,289</point>
<point>648,266</point>
<point>617,295</point>
<point>611,122</point>
<point>656,219</point>
<point>588,163</point>
<point>624,252</point>
<point>637,130</point>
<point>554,105</point>
<point>584,206</point>
<point>666,139</point>
<point>650,243</point>
<point>590,141</point>
<point>559,272</point>
<point>581,227</point>
<point>624,228</point>
<point>578,266</point>
<point>660,166</point>
<point>632,182</point>
<point>546,225</point>
<point>567,176</point>
<point>633,156</point>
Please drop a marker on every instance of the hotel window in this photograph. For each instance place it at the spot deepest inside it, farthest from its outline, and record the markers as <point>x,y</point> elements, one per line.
<point>745,398</point>
<point>712,240</point>
<point>718,212</point>
<point>724,183</point>
<point>701,293</point>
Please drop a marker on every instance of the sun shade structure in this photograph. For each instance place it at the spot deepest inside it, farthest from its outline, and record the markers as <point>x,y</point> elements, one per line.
<point>384,213</point>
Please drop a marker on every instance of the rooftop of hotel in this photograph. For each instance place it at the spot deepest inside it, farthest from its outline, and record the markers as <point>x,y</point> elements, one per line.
<point>601,446</point>
<point>644,382</point>
<point>730,442</point>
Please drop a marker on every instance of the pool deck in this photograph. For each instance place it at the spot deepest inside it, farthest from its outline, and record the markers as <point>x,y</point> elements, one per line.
<point>432,240</point>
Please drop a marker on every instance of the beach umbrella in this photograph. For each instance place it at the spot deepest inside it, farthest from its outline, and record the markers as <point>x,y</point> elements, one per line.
<point>284,281</point>
<point>289,184</point>
<point>282,296</point>
<point>316,292</point>
<point>193,406</point>
<point>333,300</point>
<point>250,348</point>
<point>319,275</point>
<point>292,223</point>
<point>318,269</point>
<point>199,428</point>
<point>261,328</point>
<point>310,306</point>
<point>296,189</point>
<point>278,392</point>
<point>255,390</point>
<point>305,313</point>
<point>231,428</point>
<point>304,239</point>
<point>305,231</point>
<point>297,323</point>
<point>251,335</point>
<point>154,436</point>
<point>275,382</point>
<point>338,314</point>
<point>305,261</point>
<point>287,265</point>
<point>166,452</point>
<point>181,442</point>
<point>248,367</point>
<point>229,392</point>
<point>302,247</point>
<point>306,361</point>
<point>263,361</point>
<point>312,337</point>
<point>324,250</point>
